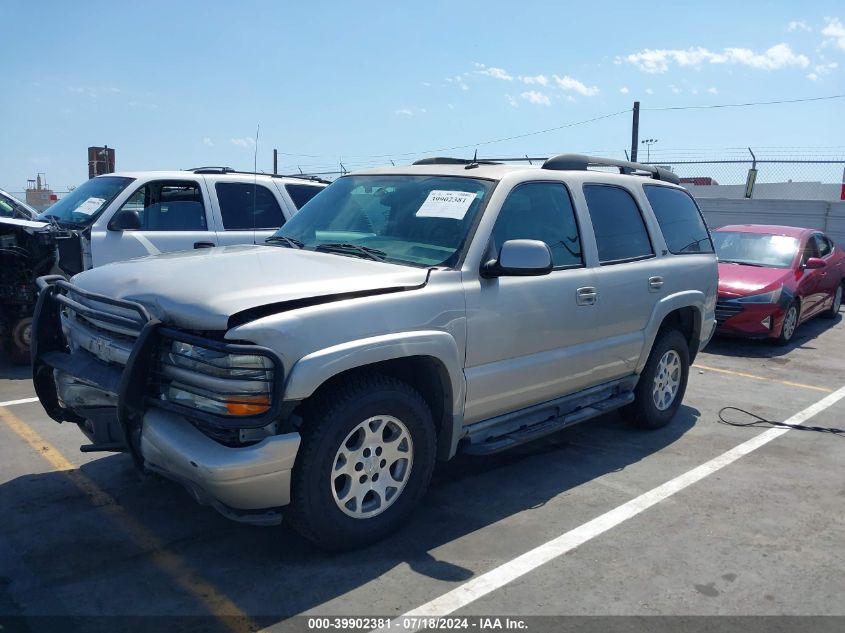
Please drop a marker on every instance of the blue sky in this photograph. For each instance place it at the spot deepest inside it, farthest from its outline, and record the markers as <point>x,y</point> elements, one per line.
<point>180,84</point>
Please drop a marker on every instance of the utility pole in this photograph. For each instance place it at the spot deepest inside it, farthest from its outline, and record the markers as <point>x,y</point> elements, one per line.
<point>635,131</point>
<point>275,162</point>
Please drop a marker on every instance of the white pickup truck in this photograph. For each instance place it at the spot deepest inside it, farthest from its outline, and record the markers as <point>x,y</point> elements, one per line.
<point>133,214</point>
<point>125,215</point>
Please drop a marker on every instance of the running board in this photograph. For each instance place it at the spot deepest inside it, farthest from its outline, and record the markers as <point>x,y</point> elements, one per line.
<point>489,443</point>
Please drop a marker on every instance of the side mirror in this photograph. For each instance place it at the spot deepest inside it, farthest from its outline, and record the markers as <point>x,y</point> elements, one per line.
<point>520,258</point>
<point>815,263</point>
<point>125,220</point>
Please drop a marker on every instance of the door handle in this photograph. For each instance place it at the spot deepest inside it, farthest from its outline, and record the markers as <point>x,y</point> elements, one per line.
<point>586,296</point>
<point>655,283</point>
<point>204,244</point>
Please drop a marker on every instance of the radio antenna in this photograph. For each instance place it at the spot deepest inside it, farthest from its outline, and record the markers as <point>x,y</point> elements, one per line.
<point>255,181</point>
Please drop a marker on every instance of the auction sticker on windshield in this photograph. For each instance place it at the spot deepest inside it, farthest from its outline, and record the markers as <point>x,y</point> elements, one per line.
<point>446,204</point>
<point>89,206</point>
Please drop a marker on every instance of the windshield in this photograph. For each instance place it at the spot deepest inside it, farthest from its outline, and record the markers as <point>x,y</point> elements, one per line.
<point>11,207</point>
<point>755,249</point>
<point>413,220</point>
<point>84,204</point>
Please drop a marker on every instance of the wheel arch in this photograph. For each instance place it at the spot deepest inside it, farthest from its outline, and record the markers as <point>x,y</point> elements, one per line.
<point>427,361</point>
<point>684,312</point>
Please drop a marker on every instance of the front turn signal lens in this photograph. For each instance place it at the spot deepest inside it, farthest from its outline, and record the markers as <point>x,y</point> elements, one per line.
<point>248,405</point>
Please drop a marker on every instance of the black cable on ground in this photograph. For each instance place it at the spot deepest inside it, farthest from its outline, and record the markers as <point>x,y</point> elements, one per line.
<point>761,422</point>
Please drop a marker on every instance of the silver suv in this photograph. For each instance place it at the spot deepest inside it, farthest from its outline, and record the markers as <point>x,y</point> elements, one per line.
<point>403,315</point>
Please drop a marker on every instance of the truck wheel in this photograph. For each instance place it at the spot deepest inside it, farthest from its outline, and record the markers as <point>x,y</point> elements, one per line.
<point>20,340</point>
<point>790,324</point>
<point>662,384</point>
<point>366,458</point>
<point>833,310</point>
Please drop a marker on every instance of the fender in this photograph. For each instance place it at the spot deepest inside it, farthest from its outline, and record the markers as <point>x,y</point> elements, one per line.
<point>312,370</point>
<point>686,299</point>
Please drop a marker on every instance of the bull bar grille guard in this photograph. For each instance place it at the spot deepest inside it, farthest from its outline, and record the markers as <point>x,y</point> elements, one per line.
<point>135,382</point>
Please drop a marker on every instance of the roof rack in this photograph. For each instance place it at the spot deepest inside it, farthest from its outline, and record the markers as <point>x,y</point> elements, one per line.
<point>580,162</point>
<point>229,170</point>
<point>445,160</point>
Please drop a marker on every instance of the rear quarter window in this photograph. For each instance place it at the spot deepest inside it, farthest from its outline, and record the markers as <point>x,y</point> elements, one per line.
<point>680,220</point>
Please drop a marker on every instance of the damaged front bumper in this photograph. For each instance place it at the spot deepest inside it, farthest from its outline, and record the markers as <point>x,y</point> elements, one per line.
<point>117,408</point>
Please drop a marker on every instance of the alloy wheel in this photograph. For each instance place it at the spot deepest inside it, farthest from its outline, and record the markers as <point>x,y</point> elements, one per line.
<point>667,379</point>
<point>372,466</point>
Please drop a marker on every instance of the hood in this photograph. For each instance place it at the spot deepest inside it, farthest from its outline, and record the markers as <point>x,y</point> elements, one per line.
<point>736,280</point>
<point>26,224</point>
<point>203,289</point>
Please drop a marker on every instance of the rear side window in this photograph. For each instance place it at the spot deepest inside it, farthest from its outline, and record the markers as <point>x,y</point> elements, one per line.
<point>300,194</point>
<point>541,211</point>
<point>679,219</point>
<point>247,206</point>
<point>618,224</point>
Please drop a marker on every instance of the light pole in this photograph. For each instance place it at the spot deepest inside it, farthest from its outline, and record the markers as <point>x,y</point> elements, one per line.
<point>648,142</point>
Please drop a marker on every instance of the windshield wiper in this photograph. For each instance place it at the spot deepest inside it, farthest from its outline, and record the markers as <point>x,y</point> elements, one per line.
<point>353,249</point>
<point>282,239</point>
<point>735,261</point>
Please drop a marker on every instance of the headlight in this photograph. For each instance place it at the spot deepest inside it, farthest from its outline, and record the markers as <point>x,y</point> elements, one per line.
<point>215,381</point>
<point>766,297</point>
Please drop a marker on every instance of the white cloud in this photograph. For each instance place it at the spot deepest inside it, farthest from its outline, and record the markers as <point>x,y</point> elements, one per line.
<point>798,25</point>
<point>713,90</point>
<point>464,86</point>
<point>536,79</point>
<point>427,84</point>
<point>834,32</point>
<point>674,89</point>
<point>624,90</point>
<point>513,102</point>
<point>207,141</point>
<point>821,70</point>
<point>568,83</point>
<point>570,98</point>
<point>246,141</point>
<point>536,97</point>
<point>495,73</point>
<point>409,111</point>
<point>776,57</point>
<point>649,91</point>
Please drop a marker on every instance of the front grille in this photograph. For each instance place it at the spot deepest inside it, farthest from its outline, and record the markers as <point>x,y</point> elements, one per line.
<point>104,327</point>
<point>726,309</point>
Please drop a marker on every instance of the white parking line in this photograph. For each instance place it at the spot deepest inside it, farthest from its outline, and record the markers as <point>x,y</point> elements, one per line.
<point>11,403</point>
<point>507,572</point>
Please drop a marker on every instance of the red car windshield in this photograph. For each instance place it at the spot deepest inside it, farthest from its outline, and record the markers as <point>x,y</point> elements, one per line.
<point>755,249</point>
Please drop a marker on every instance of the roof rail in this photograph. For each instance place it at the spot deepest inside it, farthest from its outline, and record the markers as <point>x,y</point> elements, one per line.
<point>229,170</point>
<point>580,162</point>
<point>445,160</point>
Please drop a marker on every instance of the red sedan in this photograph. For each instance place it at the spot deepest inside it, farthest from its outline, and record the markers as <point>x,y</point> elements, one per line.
<point>773,278</point>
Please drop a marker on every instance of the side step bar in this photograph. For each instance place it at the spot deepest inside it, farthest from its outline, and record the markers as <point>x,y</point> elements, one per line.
<point>496,443</point>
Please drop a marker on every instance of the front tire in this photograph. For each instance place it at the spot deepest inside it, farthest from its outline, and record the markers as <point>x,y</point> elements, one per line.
<point>21,337</point>
<point>366,459</point>
<point>790,324</point>
<point>662,384</point>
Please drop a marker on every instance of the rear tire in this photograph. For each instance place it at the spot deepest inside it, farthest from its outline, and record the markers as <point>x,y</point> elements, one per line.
<point>833,310</point>
<point>366,459</point>
<point>662,384</point>
<point>21,337</point>
<point>790,324</point>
